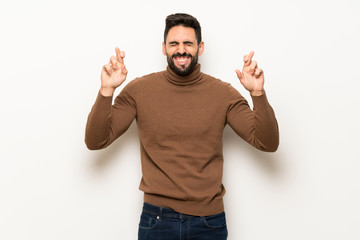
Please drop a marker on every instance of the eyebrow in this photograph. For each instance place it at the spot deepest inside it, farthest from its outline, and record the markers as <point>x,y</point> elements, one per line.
<point>176,42</point>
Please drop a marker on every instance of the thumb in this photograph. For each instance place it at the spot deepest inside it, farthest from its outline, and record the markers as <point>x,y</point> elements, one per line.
<point>125,71</point>
<point>238,73</point>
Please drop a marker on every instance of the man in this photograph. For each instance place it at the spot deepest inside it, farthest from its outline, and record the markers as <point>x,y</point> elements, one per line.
<point>181,114</point>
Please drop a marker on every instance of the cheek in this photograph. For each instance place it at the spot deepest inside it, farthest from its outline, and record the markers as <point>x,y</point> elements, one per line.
<point>192,50</point>
<point>169,51</point>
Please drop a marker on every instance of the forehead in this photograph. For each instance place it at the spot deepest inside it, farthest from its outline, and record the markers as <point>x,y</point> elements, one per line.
<point>181,34</point>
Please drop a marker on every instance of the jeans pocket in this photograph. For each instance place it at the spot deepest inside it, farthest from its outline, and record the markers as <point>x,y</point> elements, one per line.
<point>215,221</point>
<point>148,221</point>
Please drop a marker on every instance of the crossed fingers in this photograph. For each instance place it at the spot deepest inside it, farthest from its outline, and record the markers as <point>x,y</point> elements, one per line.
<point>115,62</point>
<point>250,66</point>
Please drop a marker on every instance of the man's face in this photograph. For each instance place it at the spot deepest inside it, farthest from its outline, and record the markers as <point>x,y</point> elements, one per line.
<point>182,49</point>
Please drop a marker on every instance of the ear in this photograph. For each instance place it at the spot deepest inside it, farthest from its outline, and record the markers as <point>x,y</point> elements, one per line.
<point>164,48</point>
<point>201,48</point>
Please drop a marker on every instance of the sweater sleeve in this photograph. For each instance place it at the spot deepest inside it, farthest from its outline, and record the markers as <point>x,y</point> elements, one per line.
<point>259,126</point>
<point>106,122</point>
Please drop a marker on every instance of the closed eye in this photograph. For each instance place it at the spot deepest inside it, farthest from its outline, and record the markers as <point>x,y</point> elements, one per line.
<point>173,43</point>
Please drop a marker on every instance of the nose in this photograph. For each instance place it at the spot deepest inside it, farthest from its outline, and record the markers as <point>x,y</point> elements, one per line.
<point>181,49</point>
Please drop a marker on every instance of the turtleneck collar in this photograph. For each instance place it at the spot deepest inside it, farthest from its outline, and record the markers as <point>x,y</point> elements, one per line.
<point>190,79</point>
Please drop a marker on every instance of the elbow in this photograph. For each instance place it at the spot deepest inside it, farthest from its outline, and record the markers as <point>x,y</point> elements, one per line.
<point>91,147</point>
<point>94,145</point>
<point>95,141</point>
<point>274,141</point>
<point>269,148</point>
<point>272,146</point>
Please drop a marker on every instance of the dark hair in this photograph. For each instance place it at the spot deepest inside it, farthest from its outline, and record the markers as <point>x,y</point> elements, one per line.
<point>182,19</point>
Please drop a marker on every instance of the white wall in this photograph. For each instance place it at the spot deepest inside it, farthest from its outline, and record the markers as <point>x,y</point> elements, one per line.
<point>51,54</point>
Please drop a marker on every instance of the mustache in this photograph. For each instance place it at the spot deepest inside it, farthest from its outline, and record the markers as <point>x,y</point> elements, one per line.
<point>182,55</point>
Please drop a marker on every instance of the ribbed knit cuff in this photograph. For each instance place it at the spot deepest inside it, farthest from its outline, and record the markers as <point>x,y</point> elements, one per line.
<point>260,101</point>
<point>102,102</point>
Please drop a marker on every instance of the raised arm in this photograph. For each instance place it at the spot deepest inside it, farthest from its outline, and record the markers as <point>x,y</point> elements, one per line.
<point>258,126</point>
<point>106,122</point>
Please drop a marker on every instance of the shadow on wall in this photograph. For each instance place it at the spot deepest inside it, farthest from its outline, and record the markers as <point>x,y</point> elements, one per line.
<point>105,157</point>
<point>270,163</point>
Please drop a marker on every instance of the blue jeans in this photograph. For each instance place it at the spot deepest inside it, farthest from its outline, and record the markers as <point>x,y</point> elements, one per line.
<point>159,223</point>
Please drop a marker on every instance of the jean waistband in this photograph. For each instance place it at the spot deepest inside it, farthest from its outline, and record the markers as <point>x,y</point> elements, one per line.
<point>163,211</point>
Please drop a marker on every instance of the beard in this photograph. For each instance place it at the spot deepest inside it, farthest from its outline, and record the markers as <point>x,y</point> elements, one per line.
<point>183,71</point>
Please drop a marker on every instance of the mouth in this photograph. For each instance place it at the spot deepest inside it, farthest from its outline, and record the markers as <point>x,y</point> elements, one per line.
<point>182,60</point>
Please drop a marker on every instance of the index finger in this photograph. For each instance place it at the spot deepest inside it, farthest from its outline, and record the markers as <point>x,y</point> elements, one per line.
<point>247,58</point>
<point>119,55</point>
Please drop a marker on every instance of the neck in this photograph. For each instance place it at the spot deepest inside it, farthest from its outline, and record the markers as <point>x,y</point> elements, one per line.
<point>190,79</point>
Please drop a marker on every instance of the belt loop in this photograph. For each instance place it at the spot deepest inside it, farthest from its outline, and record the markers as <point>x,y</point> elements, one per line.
<point>160,214</point>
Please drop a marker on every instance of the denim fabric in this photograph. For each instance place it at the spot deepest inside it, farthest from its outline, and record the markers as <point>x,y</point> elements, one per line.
<point>158,223</point>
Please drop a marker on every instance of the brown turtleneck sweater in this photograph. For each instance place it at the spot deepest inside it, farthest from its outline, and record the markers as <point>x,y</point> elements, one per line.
<point>180,122</point>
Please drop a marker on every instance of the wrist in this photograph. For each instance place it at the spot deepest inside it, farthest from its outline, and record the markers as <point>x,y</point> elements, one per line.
<point>257,93</point>
<point>107,91</point>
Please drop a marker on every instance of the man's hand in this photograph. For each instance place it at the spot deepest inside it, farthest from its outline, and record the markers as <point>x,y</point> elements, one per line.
<point>251,77</point>
<point>113,74</point>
